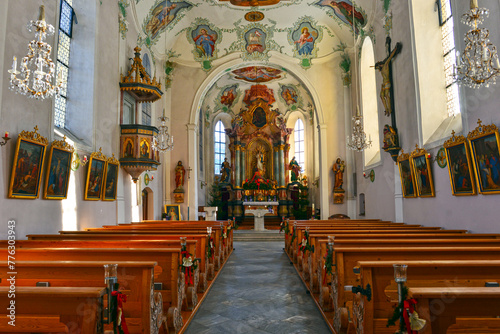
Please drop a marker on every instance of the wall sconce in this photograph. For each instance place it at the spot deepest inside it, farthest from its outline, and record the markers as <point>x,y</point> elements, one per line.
<point>203,184</point>
<point>370,175</point>
<point>6,138</point>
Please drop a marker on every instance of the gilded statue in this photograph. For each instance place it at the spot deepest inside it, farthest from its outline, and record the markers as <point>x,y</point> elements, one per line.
<point>338,170</point>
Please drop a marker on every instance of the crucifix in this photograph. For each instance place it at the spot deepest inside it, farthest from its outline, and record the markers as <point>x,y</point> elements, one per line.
<point>387,97</point>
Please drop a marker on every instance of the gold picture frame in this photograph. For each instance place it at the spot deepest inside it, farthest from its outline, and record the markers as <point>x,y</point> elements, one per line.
<point>484,144</point>
<point>95,175</point>
<point>110,179</point>
<point>459,163</point>
<point>406,175</point>
<point>421,165</point>
<point>28,163</point>
<point>58,170</point>
<point>173,211</point>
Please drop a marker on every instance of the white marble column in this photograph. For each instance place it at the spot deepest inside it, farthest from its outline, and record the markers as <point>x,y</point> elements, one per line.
<point>192,191</point>
<point>323,172</point>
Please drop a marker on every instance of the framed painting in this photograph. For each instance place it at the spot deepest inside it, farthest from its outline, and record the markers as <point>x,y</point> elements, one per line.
<point>110,179</point>
<point>28,163</point>
<point>58,170</point>
<point>95,176</point>
<point>173,211</point>
<point>459,166</point>
<point>484,145</point>
<point>406,174</point>
<point>421,165</point>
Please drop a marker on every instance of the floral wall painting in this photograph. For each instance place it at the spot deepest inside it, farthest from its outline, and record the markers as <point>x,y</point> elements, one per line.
<point>304,37</point>
<point>484,144</point>
<point>205,38</point>
<point>343,11</point>
<point>255,40</point>
<point>58,170</point>
<point>28,163</point>
<point>162,14</point>
<point>459,166</point>
<point>257,74</point>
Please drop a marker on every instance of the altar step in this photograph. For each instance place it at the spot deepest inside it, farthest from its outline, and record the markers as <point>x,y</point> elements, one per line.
<point>250,235</point>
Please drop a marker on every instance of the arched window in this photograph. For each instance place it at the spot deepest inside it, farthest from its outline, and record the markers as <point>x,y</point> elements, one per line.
<point>299,144</point>
<point>369,100</point>
<point>62,67</point>
<point>220,146</point>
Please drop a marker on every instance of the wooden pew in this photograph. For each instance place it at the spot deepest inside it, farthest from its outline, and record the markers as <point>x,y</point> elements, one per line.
<point>346,258</point>
<point>201,248</point>
<point>371,316</point>
<point>459,302</point>
<point>135,278</point>
<point>79,308</point>
<point>168,261</point>
<point>33,324</point>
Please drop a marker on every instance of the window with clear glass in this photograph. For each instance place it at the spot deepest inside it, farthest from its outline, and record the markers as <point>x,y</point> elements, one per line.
<point>298,131</point>
<point>62,65</point>
<point>448,41</point>
<point>220,146</point>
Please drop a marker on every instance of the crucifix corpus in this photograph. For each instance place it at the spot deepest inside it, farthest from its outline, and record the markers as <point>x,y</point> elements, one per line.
<point>385,68</point>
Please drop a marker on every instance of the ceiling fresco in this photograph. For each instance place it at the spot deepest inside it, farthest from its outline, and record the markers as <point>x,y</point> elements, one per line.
<point>229,94</point>
<point>328,22</point>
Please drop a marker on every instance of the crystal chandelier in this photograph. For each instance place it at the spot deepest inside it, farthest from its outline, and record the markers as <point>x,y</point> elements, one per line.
<point>357,141</point>
<point>479,65</point>
<point>163,141</point>
<point>39,56</point>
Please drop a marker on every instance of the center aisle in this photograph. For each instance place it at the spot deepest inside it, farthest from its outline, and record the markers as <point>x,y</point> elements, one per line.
<point>258,291</point>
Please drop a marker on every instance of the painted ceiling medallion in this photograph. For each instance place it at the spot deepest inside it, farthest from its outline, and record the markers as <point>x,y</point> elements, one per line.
<point>254,16</point>
<point>257,74</point>
<point>252,3</point>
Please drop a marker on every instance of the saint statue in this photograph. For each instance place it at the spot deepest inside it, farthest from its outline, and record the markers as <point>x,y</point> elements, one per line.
<point>261,161</point>
<point>180,172</point>
<point>295,168</point>
<point>225,171</point>
<point>338,170</point>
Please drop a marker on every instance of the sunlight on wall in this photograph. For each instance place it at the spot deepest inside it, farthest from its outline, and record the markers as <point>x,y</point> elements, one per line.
<point>369,100</point>
<point>69,206</point>
<point>135,203</point>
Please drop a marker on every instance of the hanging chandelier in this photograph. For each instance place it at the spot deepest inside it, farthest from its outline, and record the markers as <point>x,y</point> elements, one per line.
<point>357,141</point>
<point>163,141</point>
<point>478,66</point>
<point>38,56</point>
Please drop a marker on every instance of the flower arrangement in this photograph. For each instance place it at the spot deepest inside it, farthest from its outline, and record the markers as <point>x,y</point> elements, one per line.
<point>305,245</point>
<point>257,184</point>
<point>328,264</point>
<point>188,265</point>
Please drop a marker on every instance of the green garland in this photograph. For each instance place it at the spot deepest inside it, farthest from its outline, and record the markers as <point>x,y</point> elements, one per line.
<point>308,246</point>
<point>329,262</point>
<point>294,234</point>
<point>397,313</point>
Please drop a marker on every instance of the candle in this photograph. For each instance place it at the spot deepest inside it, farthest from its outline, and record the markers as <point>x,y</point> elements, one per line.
<point>498,62</point>
<point>14,63</point>
<point>6,134</point>
<point>458,58</point>
<point>428,155</point>
<point>473,4</point>
<point>485,54</point>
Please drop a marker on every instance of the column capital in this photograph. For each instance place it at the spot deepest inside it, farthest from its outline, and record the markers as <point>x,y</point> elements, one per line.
<point>191,127</point>
<point>322,126</point>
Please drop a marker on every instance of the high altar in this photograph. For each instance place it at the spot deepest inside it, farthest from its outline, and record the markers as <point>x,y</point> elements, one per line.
<point>259,155</point>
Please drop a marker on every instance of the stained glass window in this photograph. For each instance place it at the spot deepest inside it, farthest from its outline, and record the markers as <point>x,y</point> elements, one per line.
<point>299,144</point>
<point>220,146</point>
